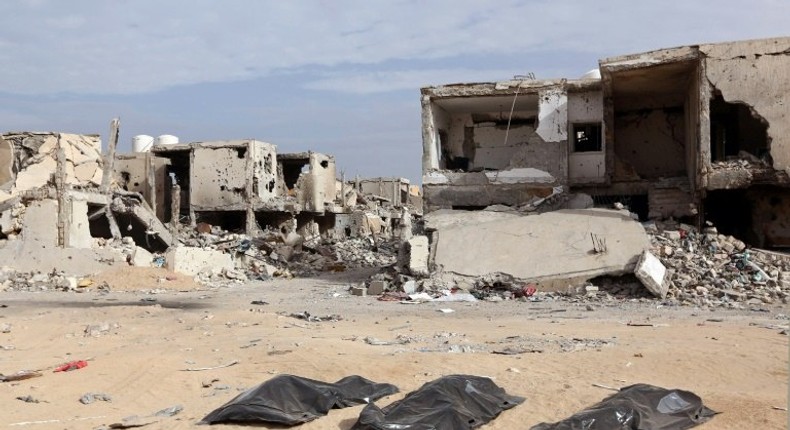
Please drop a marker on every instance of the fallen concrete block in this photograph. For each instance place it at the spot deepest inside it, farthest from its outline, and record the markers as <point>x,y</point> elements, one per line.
<point>6,222</point>
<point>190,261</point>
<point>141,258</point>
<point>553,249</point>
<point>418,251</point>
<point>377,287</point>
<point>651,272</point>
<point>358,290</point>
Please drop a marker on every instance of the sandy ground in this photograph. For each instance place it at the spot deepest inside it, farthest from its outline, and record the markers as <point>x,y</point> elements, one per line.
<point>737,363</point>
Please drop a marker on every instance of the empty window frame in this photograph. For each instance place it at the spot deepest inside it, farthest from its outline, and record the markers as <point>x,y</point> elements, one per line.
<point>587,137</point>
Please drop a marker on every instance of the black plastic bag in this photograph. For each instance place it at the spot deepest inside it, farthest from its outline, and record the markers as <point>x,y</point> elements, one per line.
<point>292,400</point>
<point>455,402</point>
<point>639,407</point>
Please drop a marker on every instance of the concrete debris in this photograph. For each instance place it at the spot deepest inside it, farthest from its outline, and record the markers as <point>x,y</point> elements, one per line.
<point>13,280</point>
<point>553,248</point>
<point>652,273</point>
<point>710,269</point>
<point>191,261</point>
<point>414,255</point>
<point>89,398</point>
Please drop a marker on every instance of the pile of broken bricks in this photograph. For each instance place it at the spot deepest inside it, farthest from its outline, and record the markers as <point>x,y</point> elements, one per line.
<point>710,269</point>
<point>237,257</point>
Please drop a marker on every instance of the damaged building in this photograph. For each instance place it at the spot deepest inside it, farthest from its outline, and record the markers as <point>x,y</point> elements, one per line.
<point>695,133</point>
<point>56,192</point>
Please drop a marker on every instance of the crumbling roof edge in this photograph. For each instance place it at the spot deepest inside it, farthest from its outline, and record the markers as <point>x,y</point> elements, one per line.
<point>234,143</point>
<point>385,179</point>
<point>673,54</point>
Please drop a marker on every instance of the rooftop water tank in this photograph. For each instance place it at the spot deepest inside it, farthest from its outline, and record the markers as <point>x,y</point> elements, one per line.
<point>166,139</point>
<point>592,74</point>
<point>142,143</point>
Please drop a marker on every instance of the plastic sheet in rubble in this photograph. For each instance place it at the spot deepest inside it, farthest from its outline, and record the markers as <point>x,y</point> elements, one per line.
<point>292,400</point>
<point>639,407</point>
<point>455,402</point>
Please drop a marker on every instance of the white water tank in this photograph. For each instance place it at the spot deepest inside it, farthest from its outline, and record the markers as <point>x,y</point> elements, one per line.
<point>142,143</point>
<point>592,74</point>
<point>166,139</point>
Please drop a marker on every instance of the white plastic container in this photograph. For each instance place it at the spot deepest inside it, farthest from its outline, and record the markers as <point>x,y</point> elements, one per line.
<point>166,139</point>
<point>142,143</point>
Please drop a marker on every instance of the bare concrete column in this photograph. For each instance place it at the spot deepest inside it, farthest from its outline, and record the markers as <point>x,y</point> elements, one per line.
<point>109,158</point>
<point>251,226</point>
<point>343,190</point>
<point>175,209</point>
<point>60,190</point>
<point>115,231</point>
<point>150,191</point>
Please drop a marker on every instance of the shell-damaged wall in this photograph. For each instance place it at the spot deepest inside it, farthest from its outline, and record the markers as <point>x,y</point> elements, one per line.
<point>29,160</point>
<point>228,175</point>
<point>756,73</point>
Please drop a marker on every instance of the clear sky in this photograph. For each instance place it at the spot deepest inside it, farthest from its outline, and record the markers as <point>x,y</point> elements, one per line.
<point>333,76</point>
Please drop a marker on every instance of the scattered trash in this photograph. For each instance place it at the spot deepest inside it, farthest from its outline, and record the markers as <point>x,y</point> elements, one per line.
<point>639,406</point>
<point>292,400</point>
<point>169,412</point>
<point>89,398</point>
<point>378,342</point>
<point>456,402</point>
<point>516,351</point>
<point>136,421</point>
<point>198,369</point>
<point>445,311</point>
<point>313,318</point>
<point>73,365</point>
<point>605,387</point>
<point>20,376</point>
<point>30,399</point>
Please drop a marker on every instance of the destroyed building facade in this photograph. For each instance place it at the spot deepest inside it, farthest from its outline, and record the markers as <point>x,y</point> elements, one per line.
<point>697,133</point>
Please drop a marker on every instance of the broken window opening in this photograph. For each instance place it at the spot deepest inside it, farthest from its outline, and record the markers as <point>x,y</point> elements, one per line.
<point>241,152</point>
<point>731,212</point>
<point>587,137</point>
<point>292,169</point>
<point>98,224</point>
<point>737,132</point>
<point>126,177</point>
<point>234,221</point>
<point>179,171</point>
<point>324,164</point>
<point>274,220</point>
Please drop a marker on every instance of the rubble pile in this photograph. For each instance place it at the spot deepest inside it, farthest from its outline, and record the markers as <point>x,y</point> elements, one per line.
<point>274,254</point>
<point>364,252</point>
<point>710,269</point>
<point>11,221</point>
<point>13,280</point>
<point>744,160</point>
<point>701,269</point>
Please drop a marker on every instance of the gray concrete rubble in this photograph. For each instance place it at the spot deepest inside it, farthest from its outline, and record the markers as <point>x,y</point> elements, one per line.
<point>652,274</point>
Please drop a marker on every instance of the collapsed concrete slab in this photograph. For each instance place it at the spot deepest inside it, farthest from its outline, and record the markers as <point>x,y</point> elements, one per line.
<point>556,249</point>
<point>190,261</point>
